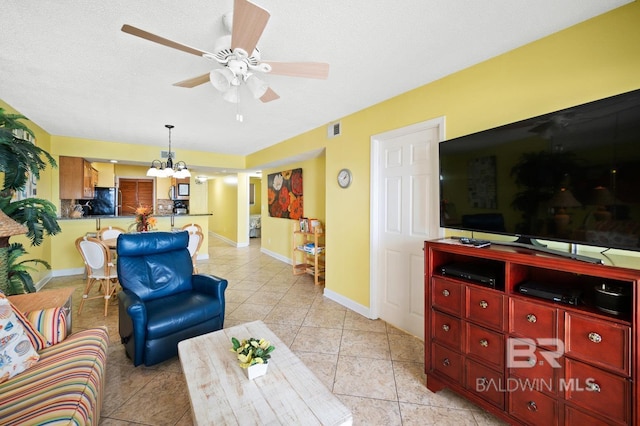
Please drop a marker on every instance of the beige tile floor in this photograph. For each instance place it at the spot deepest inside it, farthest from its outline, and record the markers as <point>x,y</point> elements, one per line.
<point>374,368</point>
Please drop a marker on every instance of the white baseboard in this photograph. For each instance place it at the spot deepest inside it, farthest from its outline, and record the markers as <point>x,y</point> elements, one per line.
<point>228,241</point>
<point>275,255</point>
<point>348,303</point>
<point>44,280</point>
<point>67,272</point>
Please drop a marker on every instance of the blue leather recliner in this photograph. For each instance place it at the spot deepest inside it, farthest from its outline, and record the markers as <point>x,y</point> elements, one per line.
<point>162,302</point>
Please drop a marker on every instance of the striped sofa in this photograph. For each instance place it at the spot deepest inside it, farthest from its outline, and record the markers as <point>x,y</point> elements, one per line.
<point>65,387</point>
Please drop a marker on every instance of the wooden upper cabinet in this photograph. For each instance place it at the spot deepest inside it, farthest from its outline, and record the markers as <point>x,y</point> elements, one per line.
<point>77,178</point>
<point>94,177</point>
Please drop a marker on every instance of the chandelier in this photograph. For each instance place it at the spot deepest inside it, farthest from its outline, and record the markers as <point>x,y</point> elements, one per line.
<point>178,170</point>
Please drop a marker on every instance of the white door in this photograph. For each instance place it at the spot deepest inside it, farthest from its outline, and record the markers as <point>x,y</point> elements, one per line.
<point>405,192</point>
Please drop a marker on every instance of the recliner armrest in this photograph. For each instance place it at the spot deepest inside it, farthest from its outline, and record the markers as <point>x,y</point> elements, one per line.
<point>134,321</point>
<point>209,284</point>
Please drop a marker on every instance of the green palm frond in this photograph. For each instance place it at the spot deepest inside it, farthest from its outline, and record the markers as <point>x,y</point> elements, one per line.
<point>21,160</point>
<point>19,157</point>
<point>37,214</point>
<point>19,279</point>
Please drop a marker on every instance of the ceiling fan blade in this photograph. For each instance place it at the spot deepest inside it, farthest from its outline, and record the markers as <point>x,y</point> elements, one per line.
<point>299,69</point>
<point>269,96</point>
<point>163,41</point>
<point>193,82</point>
<point>249,22</point>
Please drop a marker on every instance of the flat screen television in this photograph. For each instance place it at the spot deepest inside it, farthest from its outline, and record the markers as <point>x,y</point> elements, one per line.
<point>570,176</point>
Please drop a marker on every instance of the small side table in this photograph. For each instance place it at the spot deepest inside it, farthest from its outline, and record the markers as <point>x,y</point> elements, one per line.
<point>60,297</point>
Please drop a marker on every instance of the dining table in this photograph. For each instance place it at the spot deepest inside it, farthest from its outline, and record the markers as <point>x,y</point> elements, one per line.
<point>111,243</point>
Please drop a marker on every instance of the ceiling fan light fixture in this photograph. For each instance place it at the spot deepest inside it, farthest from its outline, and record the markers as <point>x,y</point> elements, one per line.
<point>231,95</point>
<point>256,86</point>
<point>222,79</point>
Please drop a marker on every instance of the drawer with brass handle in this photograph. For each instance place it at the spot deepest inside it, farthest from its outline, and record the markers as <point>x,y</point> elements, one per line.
<point>485,345</point>
<point>597,390</point>
<point>533,407</point>
<point>447,296</point>
<point>597,341</point>
<point>488,383</point>
<point>532,320</point>
<point>447,330</point>
<point>447,362</point>
<point>485,306</point>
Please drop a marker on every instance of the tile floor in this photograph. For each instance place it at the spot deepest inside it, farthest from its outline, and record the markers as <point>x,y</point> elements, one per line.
<point>374,368</point>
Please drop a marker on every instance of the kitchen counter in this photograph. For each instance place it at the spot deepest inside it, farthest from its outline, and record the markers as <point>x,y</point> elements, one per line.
<point>131,216</point>
<point>66,259</point>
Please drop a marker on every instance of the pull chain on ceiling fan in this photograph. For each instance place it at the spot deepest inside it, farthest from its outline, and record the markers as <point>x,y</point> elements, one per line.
<point>240,58</point>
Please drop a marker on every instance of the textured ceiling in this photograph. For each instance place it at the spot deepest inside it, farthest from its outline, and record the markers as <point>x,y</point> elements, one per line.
<point>67,66</point>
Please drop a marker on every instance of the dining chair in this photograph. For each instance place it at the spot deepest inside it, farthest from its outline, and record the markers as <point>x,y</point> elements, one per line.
<point>195,242</point>
<point>192,227</point>
<point>99,267</point>
<point>110,233</point>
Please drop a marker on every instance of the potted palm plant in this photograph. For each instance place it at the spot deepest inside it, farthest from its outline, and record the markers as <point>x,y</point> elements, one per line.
<point>19,160</point>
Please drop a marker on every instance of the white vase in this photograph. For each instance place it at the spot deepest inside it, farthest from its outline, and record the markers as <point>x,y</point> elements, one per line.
<point>256,370</point>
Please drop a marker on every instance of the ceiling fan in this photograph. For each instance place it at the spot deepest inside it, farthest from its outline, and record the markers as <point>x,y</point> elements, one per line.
<point>239,56</point>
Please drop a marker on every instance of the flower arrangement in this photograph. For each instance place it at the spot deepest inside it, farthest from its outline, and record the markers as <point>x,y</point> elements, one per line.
<point>252,351</point>
<point>144,220</point>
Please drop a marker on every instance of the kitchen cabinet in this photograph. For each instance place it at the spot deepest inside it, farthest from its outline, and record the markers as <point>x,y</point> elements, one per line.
<point>77,178</point>
<point>94,177</point>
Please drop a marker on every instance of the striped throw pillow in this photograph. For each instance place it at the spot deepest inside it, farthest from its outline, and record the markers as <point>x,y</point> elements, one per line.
<point>51,323</point>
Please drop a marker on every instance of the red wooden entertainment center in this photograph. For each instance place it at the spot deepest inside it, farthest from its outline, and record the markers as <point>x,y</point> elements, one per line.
<point>526,359</point>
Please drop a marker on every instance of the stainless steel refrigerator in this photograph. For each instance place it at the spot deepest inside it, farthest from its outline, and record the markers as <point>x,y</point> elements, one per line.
<point>105,202</point>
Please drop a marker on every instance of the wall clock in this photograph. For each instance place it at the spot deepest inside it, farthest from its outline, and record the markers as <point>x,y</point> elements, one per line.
<point>344,178</point>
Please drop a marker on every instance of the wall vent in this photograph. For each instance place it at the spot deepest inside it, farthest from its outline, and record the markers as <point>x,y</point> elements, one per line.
<point>165,154</point>
<point>334,129</point>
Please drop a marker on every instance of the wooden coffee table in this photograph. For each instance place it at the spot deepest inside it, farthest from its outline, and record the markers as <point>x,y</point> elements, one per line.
<point>221,393</point>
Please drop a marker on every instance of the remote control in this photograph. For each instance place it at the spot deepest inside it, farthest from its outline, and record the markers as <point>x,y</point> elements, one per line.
<point>475,242</point>
<point>481,243</point>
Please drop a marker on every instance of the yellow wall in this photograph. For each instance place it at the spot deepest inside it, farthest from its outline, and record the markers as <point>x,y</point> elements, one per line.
<point>223,204</point>
<point>255,208</point>
<point>277,233</point>
<point>106,174</point>
<point>592,60</point>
